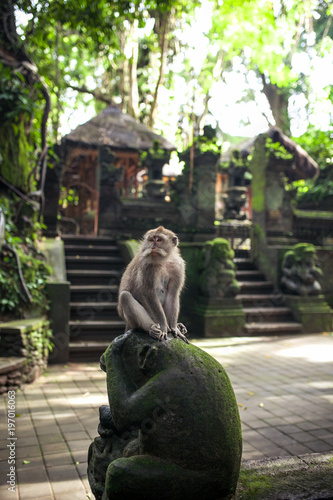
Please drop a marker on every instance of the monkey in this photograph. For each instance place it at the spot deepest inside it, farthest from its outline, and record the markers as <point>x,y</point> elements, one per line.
<point>151,284</point>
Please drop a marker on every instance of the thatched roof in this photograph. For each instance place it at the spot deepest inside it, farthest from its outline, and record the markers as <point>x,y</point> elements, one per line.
<point>113,128</point>
<point>302,167</point>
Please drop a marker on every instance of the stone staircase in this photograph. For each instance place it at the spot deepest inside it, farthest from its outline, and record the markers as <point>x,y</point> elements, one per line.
<point>264,308</point>
<point>94,267</point>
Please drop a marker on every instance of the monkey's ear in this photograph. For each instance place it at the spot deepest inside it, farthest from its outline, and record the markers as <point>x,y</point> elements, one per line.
<point>147,357</point>
<point>175,240</point>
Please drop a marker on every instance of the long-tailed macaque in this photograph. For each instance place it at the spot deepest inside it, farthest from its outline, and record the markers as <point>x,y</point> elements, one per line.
<point>151,284</point>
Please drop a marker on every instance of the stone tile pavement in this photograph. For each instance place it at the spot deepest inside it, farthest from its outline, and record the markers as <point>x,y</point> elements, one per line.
<point>284,389</point>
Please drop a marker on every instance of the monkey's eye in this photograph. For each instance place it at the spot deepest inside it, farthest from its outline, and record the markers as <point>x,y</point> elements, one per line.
<point>158,239</point>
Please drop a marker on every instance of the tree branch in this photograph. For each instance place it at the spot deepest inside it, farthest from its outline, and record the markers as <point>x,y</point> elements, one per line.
<point>97,95</point>
<point>327,27</point>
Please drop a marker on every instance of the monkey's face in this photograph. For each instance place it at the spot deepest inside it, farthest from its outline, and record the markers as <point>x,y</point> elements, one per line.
<point>156,245</point>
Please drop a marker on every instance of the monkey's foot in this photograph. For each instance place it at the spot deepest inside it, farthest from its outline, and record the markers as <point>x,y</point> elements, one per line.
<point>179,332</point>
<point>156,333</point>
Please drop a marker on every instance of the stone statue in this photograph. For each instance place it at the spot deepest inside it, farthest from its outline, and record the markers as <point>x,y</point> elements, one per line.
<point>300,272</point>
<point>172,430</point>
<point>218,270</point>
<point>234,200</point>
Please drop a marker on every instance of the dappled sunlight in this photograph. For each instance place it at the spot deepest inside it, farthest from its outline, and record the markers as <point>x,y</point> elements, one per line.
<point>316,353</point>
<point>322,384</point>
<point>328,397</point>
<point>223,342</point>
<point>84,399</point>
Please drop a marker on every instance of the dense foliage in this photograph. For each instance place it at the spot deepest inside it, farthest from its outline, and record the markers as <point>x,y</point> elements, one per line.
<point>319,145</point>
<point>168,63</point>
<point>142,55</point>
<point>23,271</point>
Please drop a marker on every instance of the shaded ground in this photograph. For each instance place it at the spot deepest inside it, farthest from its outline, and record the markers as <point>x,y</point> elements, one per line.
<point>284,388</point>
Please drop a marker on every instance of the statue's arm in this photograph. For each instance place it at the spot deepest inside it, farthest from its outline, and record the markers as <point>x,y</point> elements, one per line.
<point>131,404</point>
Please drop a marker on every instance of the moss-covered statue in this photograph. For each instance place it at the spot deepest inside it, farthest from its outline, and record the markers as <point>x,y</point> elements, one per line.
<point>217,278</point>
<point>172,430</point>
<point>300,271</point>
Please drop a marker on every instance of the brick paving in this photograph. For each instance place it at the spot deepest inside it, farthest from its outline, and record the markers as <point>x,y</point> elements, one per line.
<point>283,386</point>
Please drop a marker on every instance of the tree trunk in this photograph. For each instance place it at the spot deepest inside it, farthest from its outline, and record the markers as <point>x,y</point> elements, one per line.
<point>278,98</point>
<point>163,42</point>
<point>133,67</point>
<point>13,54</point>
<point>9,41</point>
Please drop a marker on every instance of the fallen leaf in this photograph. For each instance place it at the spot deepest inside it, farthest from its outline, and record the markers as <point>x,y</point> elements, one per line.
<point>261,405</point>
<point>26,462</point>
<point>267,356</point>
<point>240,404</point>
<point>251,393</point>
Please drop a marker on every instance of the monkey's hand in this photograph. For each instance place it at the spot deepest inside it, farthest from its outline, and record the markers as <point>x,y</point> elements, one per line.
<point>179,332</point>
<point>156,333</point>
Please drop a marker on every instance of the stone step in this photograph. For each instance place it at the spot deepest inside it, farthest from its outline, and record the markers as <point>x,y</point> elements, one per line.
<point>93,311</point>
<point>255,287</point>
<point>91,330</point>
<point>93,277</point>
<point>244,263</point>
<point>94,293</point>
<point>87,351</point>
<point>261,299</point>
<point>81,239</point>
<point>267,314</point>
<point>249,275</point>
<point>279,328</point>
<point>93,262</point>
<point>242,253</point>
<point>92,249</point>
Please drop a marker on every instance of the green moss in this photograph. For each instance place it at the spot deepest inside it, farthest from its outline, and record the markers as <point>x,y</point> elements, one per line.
<point>258,239</point>
<point>258,167</point>
<point>253,485</point>
<point>15,155</point>
<point>129,249</point>
<point>318,214</point>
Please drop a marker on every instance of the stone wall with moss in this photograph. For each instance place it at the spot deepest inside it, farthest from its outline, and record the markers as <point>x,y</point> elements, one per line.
<point>29,342</point>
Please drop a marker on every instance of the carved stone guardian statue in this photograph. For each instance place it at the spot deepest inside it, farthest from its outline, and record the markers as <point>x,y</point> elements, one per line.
<point>218,276</point>
<point>172,430</point>
<point>300,271</point>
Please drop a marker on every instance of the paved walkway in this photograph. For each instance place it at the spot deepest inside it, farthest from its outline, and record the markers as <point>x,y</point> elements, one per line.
<point>284,388</point>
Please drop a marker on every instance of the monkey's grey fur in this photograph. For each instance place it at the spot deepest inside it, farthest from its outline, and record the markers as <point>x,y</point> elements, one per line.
<point>151,284</point>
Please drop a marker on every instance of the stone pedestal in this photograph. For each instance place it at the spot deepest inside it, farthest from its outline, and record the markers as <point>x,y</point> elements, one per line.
<point>218,317</point>
<point>312,311</point>
<point>59,296</point>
